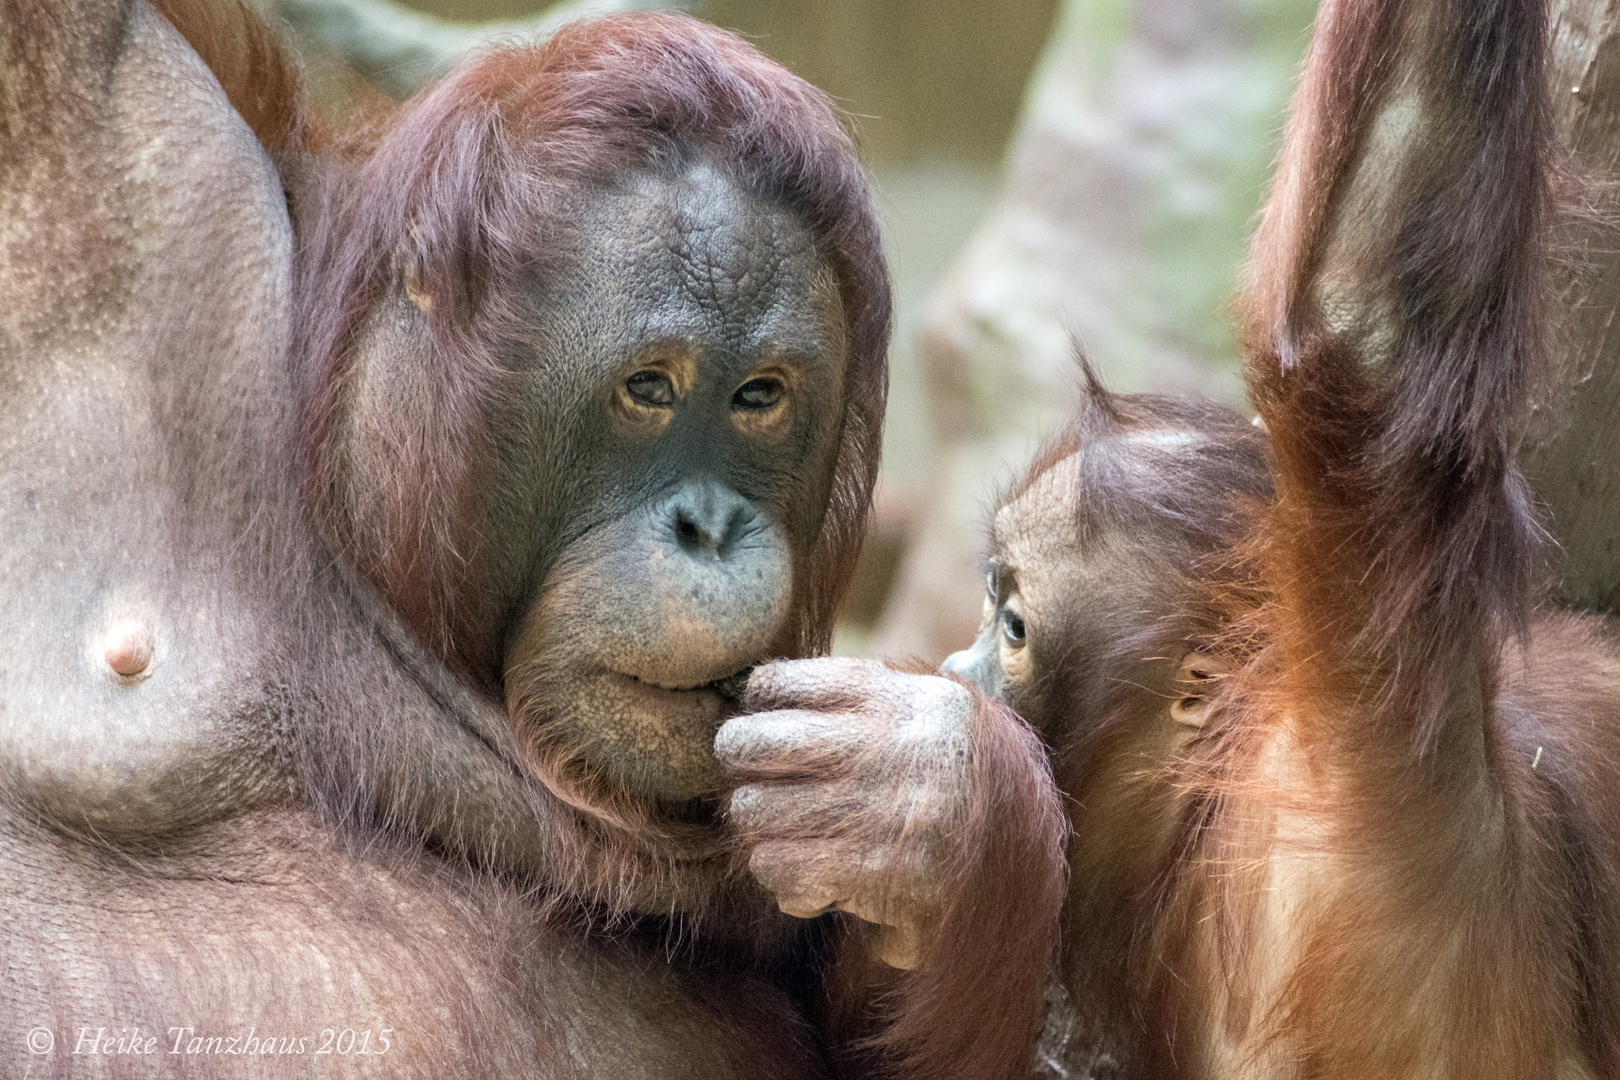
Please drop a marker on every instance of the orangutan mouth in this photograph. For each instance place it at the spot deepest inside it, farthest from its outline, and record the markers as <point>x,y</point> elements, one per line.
<point>731,687</point>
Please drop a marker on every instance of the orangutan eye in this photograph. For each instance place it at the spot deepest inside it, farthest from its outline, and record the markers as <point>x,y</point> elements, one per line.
<point>651,388</point>
<point>1012,626</point>
<point>758,394</point>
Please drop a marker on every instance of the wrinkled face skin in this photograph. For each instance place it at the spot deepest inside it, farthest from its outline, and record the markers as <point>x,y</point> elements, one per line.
<point>689,412</point>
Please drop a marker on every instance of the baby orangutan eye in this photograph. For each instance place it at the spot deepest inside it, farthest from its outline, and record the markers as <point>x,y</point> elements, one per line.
<point>758,394</point>
<point>651,388</point>
<point>1012,626</point>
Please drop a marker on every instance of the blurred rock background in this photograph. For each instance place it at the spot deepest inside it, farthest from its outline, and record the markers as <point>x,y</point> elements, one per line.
<point>1047,171</point>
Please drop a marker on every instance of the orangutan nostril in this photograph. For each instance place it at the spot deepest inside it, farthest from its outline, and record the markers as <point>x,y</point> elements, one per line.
<point>688,533</point>
<point>709,520</point>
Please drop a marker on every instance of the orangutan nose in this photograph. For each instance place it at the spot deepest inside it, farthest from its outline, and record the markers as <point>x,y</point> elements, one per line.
<point>709,520</point>
<point>979,663</point>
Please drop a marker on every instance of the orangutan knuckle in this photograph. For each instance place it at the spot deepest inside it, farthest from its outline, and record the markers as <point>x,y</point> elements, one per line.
<point>748,804</point>
<point>803,681</point>
<point>947,702</point>
<point>935,720</point>
<point>765,684</point>
<point>787,682</point>
<point>738,739</point>
<point>796,868</point>
<point>761,739</point>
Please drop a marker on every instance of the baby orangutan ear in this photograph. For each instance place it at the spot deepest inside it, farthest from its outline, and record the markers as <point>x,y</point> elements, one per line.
<point>1193,680</point>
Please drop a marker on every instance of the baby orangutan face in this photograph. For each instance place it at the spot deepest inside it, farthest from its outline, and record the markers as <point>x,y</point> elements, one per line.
<point>1034,557</point>
<point>1058,599</point>
<point>1091,594</point>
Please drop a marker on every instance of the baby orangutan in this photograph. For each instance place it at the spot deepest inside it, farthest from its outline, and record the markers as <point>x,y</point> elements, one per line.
<point>1110,579</point>
<point>1089,634</point>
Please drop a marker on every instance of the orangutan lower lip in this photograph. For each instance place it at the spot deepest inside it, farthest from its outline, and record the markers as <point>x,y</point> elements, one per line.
<point>656,685</point>
<point>730,687</point>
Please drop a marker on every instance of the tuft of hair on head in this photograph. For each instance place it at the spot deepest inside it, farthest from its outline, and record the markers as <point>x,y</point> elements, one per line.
<point>1097,401</point>
<point>1173,473</point>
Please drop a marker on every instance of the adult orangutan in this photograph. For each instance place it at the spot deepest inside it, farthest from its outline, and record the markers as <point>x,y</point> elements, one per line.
<point>378,576</point>
<point>1343,797</point>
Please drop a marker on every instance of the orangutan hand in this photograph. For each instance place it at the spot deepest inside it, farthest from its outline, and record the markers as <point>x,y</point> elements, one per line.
<point>855,778</point>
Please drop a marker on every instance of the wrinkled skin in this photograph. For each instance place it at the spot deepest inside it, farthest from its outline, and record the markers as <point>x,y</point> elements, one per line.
<point>695,467</point>
<point>856,778</point>
<point>262,771</point>
<point>920,806</point>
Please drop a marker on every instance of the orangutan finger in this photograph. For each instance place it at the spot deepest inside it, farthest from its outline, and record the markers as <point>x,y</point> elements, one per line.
<point>832,869</point>
<point>792,742</point>
<point>807,812</point>
<point>899,945</point>
<point>826,683</point>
